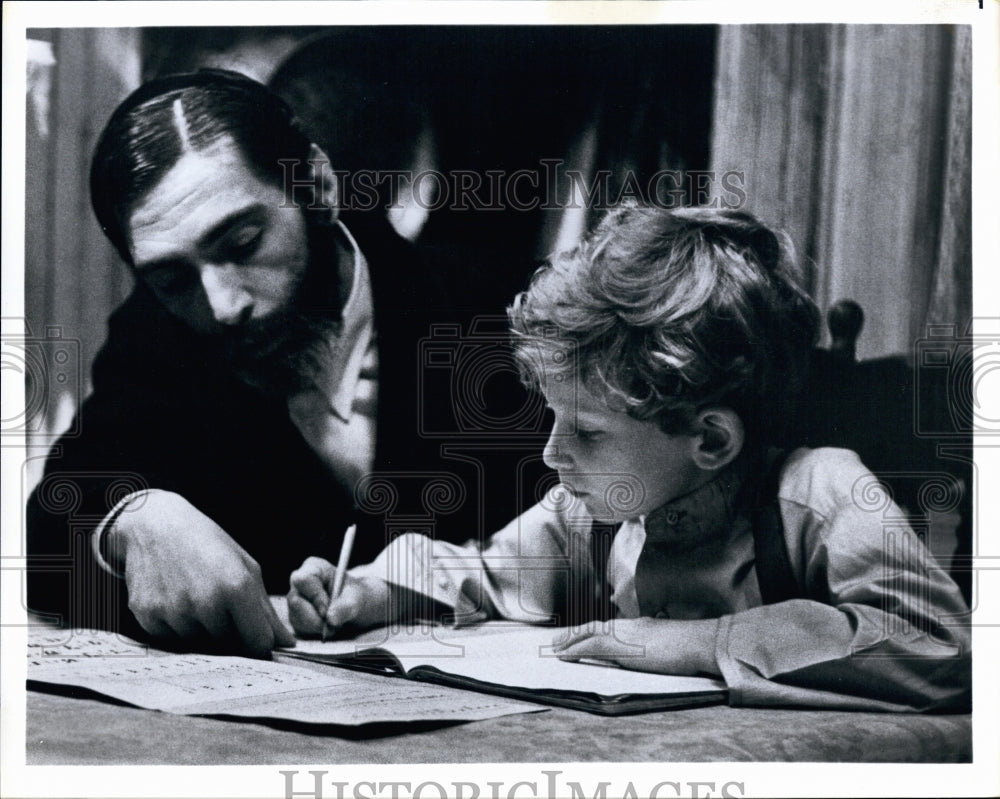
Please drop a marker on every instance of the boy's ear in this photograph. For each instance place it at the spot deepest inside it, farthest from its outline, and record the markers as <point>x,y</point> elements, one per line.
<point>327,188</point>
<point>719,438</point>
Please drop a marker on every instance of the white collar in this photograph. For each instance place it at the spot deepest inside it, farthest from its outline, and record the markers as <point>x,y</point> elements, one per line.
<point>339,373</point>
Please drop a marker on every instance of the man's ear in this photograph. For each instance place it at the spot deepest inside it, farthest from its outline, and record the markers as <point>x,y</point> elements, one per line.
<point>719,437</point>
<point>327,187</point>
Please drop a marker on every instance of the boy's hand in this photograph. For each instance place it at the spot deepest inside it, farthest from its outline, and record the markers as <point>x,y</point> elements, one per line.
<point>665,646</point>
<point>363,601</point>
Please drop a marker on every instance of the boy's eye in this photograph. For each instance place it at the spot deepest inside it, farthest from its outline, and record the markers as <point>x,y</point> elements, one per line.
<point>587,435</point>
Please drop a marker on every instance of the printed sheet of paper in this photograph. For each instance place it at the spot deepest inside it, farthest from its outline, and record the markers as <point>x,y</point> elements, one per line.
<point>195,684</point>
<point>508,654</point>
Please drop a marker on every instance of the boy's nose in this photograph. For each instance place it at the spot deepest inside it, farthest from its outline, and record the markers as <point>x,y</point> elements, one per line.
<point>554,455</point>
<point>230,302</point>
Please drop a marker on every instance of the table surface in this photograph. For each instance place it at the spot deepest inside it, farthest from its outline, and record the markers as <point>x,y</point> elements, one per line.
<point>61,731</point>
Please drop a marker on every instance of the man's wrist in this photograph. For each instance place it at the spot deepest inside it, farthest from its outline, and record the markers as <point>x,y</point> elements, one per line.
<point>108,542</point>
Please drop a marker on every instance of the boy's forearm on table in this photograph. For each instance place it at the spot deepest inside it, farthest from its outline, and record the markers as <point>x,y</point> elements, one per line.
<point>704,635</point>
<point>852,656</point>
<point>683,646</point>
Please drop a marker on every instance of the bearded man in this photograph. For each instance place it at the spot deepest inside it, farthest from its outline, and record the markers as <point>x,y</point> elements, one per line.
<point>267,363</point>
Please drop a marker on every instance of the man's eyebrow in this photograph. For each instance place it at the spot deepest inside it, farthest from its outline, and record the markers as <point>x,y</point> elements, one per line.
<point>224,225</point>
<point>216,232</point>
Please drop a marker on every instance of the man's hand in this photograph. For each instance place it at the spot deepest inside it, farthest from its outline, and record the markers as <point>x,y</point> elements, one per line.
<point>665,646</point>
<point>187,579</point>
<point>363,601</point>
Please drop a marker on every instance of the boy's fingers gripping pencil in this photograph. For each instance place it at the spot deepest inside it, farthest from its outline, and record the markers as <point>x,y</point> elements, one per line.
<point>338,577</point>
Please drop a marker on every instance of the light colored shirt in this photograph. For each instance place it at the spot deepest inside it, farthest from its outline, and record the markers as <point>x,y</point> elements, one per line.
<point>337,416</point>
<point>879,627</point>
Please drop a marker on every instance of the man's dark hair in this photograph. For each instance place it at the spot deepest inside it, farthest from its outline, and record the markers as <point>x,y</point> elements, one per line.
<point>166,117</point>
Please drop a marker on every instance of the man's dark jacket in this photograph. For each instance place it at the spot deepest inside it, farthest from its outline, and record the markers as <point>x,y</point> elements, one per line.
<point>164,414</point>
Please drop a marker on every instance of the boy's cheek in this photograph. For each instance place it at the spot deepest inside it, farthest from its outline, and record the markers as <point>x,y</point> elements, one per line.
<point>623,498</point>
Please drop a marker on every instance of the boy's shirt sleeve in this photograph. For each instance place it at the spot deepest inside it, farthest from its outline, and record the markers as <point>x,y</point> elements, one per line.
<point>884,628</point>
<point>524,572</point>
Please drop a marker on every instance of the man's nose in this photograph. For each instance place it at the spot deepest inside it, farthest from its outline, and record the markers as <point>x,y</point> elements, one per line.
<point>231,303</point>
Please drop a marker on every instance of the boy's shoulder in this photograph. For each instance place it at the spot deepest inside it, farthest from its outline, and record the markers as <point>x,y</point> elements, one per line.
<point>827,478</point>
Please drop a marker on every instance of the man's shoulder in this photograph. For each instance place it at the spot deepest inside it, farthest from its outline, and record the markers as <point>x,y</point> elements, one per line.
<point>433,277</point>
<point>146,345</point>
<point>141,313</point>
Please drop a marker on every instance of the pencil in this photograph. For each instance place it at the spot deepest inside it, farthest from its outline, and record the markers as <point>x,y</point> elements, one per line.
<point>345,558</point>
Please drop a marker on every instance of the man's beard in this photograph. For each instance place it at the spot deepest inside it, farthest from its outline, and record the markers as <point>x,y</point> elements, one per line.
<point>280,354</point>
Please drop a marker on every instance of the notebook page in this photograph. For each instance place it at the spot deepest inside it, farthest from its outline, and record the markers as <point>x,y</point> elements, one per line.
<point>194,684</point>
<point>510,654</point>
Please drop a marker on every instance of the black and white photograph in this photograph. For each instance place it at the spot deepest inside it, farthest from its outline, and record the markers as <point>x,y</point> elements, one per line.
<point>499,400</point>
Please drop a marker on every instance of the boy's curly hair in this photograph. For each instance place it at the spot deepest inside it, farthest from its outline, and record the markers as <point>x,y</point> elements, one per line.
<point>667,312</point>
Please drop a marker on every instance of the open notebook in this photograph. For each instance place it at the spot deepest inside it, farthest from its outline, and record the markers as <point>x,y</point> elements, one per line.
<point>512,660</point>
